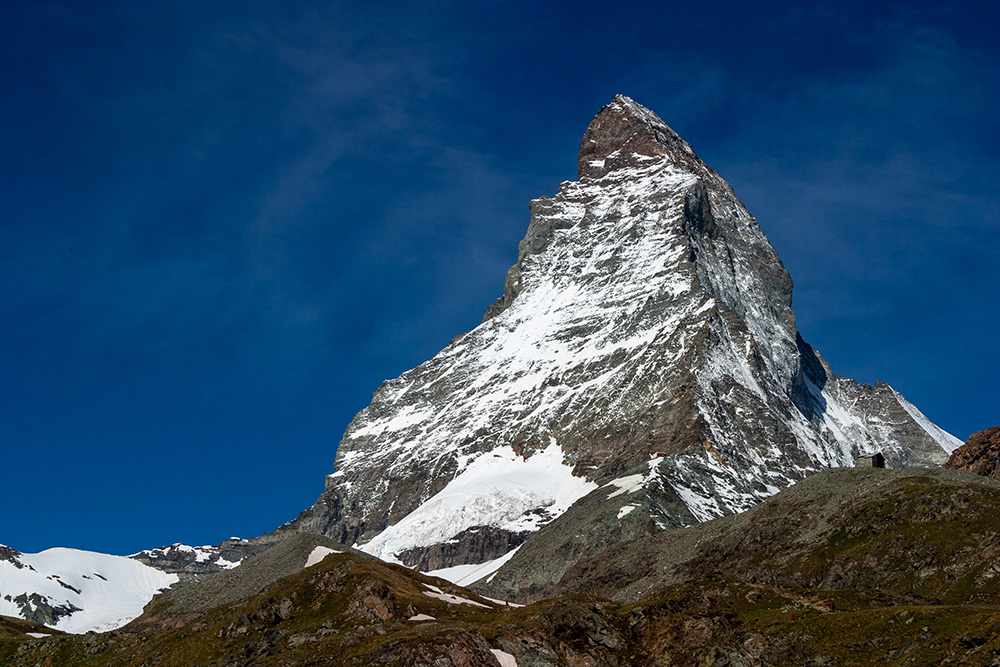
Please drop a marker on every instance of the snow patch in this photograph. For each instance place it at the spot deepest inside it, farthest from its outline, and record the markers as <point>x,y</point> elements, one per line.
<point>465,575</point>
<point>625,511</point>
<point>318,554</point>
<point>228,564</point>
<point>421,617</point>
<point>495,489</point>
<point>629,484</point>
<point>633,483</point>
<point>703,509</point>
<point>435,592</point>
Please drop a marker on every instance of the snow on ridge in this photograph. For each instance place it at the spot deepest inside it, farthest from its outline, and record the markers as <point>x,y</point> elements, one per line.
<point>575,284</point>
<point>589,300</point>
<point>201,554</point>
<point>109,590</point>
<point>466,575</point>
<point>633,483</point>
<point>318,554</point>
<point>948,442</point>
<point>498,489</point>
<point>627,484</point>
<point>435,592</point>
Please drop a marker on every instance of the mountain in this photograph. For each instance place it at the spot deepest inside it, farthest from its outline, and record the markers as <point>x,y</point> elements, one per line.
<point>74,590</point>
<point>848,567</point>
<point>641,371</point>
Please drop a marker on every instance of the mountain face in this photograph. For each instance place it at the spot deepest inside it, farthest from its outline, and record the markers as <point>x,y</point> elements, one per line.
<point>641,371</point>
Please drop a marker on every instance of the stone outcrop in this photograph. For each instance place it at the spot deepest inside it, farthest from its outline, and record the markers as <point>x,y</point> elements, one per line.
<point>980,454</point>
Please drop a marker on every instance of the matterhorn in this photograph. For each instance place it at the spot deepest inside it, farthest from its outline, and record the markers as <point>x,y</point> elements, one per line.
<point>642,371</point>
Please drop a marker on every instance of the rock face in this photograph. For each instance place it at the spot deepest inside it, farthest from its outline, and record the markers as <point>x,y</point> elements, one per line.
<point>190,563</point>
<point>980,454</point>
<point>643,357</point>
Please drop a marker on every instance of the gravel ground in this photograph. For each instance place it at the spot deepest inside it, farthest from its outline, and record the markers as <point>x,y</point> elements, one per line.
<point>283,559</point>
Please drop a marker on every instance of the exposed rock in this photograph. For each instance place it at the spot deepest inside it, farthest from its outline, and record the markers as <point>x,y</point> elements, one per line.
<point>35,607</point>
<point>178,606</point>
<point>11,556</point>
<point>473,545</point>
<point>623,134</point>
<point>980,454</point>
<point>191,563</point>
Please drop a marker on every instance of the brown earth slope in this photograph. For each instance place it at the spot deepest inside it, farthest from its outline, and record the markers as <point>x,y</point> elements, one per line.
<point>848,567</point>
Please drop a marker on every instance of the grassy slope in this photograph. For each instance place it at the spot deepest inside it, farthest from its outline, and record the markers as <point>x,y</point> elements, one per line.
<point>848,567</point>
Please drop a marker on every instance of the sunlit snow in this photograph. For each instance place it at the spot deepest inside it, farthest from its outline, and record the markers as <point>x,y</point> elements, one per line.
<point>318,554</point>
<point>496,489</point>
<point>466,575</point>
<point>109,590</point>
<point>435,592</point>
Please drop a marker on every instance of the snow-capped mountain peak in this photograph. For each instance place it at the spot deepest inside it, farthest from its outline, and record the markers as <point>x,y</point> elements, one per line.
<point>641,371</point>
<point>647,318</point>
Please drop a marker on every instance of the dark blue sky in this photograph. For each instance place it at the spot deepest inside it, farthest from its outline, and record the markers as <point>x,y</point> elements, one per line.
<point>222,225</point>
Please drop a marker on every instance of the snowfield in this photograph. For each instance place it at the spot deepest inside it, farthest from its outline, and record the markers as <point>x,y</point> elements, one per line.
<point>498,489</point>
<point>107,591</point>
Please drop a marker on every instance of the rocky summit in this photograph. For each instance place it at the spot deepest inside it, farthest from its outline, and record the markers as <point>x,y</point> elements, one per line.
<point>641,371</point>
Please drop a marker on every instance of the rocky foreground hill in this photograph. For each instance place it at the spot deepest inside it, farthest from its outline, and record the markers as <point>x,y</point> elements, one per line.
<point>980,454</point>
<point>847,567</point>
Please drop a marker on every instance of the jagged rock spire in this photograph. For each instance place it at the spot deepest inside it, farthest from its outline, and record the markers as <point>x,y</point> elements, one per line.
<point>623,133</point>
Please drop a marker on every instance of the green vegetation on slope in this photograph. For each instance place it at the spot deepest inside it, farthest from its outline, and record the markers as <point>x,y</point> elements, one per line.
<point>848,567</point>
